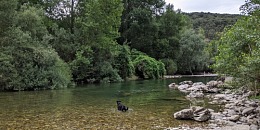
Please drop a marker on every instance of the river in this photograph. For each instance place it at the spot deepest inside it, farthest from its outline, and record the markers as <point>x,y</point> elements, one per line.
<point>151,105</point>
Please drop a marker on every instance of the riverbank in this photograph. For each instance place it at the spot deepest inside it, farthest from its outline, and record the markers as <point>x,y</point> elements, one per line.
<point>183,76</point>
<point>238,110</point>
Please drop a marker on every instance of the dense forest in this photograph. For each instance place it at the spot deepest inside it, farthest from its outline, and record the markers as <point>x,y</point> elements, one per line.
<point>53,44</point>
<point>212,23</point>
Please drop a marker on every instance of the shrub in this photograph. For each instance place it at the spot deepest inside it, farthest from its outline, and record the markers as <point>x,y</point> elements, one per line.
<point>147,67</point>
<point>34,67</point>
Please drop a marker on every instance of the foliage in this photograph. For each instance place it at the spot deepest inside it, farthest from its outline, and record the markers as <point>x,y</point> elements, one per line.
<point>170,66</point>
<point>27,62</point>
<point>7,13</point>
<point>238,51</point>
<point>32,22</point>
<point>95,40</point>
<point>63,42</point>
<point>32,67</point>
<point>123,62</point>
<point>81,65</point>
<point>212,23</point>
<point>147,67</point>
<point>251,7</point>
<point>43,43</point>
<point>170,25</point>
<point>192,56</point>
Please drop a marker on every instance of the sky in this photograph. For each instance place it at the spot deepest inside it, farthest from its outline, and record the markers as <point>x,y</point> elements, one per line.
<point>213,6</point>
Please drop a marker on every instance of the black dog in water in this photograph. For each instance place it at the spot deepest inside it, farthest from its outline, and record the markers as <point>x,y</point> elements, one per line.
<point>121,107</point>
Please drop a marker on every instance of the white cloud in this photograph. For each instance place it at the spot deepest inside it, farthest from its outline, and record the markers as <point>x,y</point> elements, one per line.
<point>216,6</point>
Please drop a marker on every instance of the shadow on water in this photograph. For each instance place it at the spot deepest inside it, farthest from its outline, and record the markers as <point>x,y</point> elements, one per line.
<point>151,105</point>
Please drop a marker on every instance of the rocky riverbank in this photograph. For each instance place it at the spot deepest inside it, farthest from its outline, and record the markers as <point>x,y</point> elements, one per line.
<point>238,112</point>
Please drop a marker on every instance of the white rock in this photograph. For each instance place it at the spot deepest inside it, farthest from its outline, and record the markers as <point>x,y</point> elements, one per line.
<point>183,87</point>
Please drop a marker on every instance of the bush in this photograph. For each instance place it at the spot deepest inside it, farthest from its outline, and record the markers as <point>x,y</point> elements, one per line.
<point>147,67</point>
<point>34,67</point>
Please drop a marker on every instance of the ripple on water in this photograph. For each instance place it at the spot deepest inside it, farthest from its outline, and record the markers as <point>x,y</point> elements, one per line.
<point>151,106</point>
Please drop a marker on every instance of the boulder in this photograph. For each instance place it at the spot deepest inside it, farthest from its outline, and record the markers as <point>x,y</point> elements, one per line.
<point>185,114</point>
<point>234,118</point>
<point>186,82</point>
<point>183,87</point>
<point>220,96</point>
<point>201,114</point>
<point>197,109</point>
<point>196,113</point>
<point>213,90</point>
<point>198,88</point>
<point>198,83</point>
<point>248,111</point>
<point>216,116</point>
<point>195,94</point>
<point>231,112</point>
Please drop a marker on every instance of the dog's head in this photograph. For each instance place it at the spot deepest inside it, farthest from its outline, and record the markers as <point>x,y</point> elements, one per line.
<point>118,102</point>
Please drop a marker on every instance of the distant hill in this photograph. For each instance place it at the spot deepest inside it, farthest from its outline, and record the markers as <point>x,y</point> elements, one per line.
<point>212,22</point>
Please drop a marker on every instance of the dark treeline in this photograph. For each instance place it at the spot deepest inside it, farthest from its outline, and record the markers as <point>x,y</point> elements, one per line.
<point>212,23</point>
<point>52,44</point>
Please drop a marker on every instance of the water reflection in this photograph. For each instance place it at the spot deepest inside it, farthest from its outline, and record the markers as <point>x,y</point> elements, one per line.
<point>94,107</point>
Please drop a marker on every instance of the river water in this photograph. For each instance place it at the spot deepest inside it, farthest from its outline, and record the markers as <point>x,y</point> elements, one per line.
<point>151,106</point>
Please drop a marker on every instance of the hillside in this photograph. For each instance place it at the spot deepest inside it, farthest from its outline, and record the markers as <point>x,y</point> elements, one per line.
<point>212,23</point>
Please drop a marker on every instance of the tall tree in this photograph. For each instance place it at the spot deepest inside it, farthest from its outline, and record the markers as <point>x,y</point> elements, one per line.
<point>27,61</point>
<point>138,26</point>
<point>192,57</point>
<point>239,48</point>
<point>171,23</point>
<point>96,32</point>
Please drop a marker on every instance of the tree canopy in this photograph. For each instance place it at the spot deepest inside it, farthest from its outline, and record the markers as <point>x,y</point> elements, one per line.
<point>239,47</point>
<point>51,44</point>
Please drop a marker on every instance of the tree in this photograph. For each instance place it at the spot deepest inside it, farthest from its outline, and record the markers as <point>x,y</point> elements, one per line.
<point>170,25</point>
<point>192,57</point>
<point>138,24</point>
<point>238,49</point>
<point>98,31</point>
<point>212,23</point>
<point>27,61</point>
<point>7,13</point>
<point>123,62</point>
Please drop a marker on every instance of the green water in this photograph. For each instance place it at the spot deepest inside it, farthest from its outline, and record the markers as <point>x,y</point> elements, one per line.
<point>151,105</point>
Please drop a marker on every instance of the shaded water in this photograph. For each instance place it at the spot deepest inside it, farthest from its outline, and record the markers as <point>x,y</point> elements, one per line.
<point>151,106</point>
